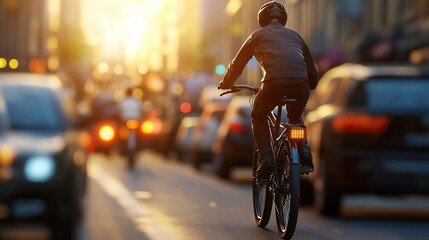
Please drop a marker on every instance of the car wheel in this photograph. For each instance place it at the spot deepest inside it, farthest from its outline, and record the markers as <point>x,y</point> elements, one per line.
<point>327,193</point>
<point>67,210</point>
<point>195,160</point>
<point>223,169</point>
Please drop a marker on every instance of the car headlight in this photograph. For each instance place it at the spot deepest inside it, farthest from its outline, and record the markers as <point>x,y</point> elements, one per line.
<point>39,168</point>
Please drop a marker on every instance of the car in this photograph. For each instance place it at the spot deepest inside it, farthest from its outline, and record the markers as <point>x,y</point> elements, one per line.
<point>189,104</point>
<point>204,133</point>
<point>44,152</point>
<point>368,129</point>
<point>108,131</point>
<point>184,136</point>
<point>104,122</point>
<point>234,142</point>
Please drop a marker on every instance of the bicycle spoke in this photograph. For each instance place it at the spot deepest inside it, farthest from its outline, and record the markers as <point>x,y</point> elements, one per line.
<point>287,194</point>
<point>262,198</point>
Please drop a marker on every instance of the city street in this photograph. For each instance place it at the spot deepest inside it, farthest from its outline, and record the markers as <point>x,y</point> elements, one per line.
<point>166,199</point>
<point>334,88</point>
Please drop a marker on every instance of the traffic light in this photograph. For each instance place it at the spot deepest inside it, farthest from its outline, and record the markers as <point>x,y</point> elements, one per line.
<point>220,69</point>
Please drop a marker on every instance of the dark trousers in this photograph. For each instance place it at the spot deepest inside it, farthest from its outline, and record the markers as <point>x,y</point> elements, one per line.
<point>269,95</point>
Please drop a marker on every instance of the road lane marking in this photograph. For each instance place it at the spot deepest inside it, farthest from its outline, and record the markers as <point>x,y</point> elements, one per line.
<point>152,222</point>
<point>143,195</point>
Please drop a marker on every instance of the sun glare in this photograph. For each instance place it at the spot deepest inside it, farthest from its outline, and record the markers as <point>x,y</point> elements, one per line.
<point>120,28</point>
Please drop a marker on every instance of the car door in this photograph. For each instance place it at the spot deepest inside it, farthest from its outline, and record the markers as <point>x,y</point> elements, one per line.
<point>325,102</point>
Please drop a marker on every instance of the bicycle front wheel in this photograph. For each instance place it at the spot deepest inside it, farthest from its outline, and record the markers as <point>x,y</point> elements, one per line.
<point>287,194</point>
<point>262,197</point>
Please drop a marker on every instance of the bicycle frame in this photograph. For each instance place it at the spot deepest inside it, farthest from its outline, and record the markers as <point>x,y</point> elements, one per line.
<point>275,124</point>
<point>284,185</point>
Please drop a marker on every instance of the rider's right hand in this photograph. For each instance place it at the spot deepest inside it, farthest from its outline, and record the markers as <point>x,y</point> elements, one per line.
<point>223,85</point>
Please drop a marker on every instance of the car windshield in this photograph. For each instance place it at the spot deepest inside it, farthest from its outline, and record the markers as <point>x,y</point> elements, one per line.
<point>31,108</point>
<point>393,95</point>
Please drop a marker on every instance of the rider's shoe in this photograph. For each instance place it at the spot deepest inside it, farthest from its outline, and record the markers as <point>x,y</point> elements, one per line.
<point>306,159</point>
<point>265,168</point>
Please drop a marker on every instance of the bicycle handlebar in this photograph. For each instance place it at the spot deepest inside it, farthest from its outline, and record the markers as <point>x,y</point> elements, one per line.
<point>237,88</point>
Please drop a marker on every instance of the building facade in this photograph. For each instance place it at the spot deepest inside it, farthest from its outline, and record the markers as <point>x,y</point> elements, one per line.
<point>339,31</point>
<point>363,30</point>
<point>32,33</point>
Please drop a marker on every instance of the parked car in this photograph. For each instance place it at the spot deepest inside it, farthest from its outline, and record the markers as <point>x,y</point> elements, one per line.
<point>43,155</point>
<point>204,134</point>
<point>233,146</point>
<point>368,129</point>
<point>184,136</point>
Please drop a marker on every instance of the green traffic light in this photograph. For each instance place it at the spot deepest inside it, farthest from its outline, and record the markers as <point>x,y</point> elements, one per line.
<point>220,69</point>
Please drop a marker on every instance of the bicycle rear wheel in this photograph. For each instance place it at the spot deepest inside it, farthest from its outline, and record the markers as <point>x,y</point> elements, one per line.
<point>287,194</point>
<point>262,197</point>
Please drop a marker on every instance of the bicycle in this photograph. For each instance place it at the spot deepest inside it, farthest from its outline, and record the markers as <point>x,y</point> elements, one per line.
<point>283,187</point>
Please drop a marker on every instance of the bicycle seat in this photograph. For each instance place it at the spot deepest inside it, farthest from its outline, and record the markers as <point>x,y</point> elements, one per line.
<point>287,100</point>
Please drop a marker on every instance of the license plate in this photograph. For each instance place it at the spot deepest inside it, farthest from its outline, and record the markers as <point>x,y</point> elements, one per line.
<point>28,208</point>
<point>417,140</point>
<point>407,166</point>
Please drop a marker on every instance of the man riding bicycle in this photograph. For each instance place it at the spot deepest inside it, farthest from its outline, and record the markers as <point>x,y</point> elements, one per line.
<point>288,69</point>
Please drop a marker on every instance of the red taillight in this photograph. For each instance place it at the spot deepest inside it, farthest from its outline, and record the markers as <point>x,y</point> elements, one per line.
<point>237,127</point>
<point>106,133</point>
<point>37,65</point>
<point>185,107</point>
<point>152,125</point>
<point>147,127</point>
<point>360,123</point>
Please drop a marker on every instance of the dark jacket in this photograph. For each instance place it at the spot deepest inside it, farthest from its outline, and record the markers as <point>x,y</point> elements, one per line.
<point>281,53</point>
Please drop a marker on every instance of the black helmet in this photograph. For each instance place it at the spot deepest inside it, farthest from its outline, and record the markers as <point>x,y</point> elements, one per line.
<point>272,10</point>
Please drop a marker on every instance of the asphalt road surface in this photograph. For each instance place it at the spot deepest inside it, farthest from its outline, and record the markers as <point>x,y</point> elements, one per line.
<point>166,199</point>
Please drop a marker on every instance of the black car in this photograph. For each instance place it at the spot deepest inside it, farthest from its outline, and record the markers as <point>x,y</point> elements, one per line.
<point>43,153</point>
<point>368,128</point>
<point>204,134</point>
<point>233,146</point>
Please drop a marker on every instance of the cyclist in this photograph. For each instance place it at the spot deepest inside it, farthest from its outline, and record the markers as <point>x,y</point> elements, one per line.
<point>288,69</point>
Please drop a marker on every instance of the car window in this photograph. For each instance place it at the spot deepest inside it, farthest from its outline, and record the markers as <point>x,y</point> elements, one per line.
<point>404,95</point>
<point>330,93</point>
<point>31,108</point>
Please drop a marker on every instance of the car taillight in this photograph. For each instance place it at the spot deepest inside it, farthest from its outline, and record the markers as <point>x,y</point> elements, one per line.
<point>296,133</point>
<point>237,127</point>
<point>360,123</point>
<point>147,127</point>
<point>185,107</point>
<point>152,125</point>
<point>106,133</point>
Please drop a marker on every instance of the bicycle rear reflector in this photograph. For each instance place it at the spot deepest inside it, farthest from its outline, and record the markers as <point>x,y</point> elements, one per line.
<point>296,133</point>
